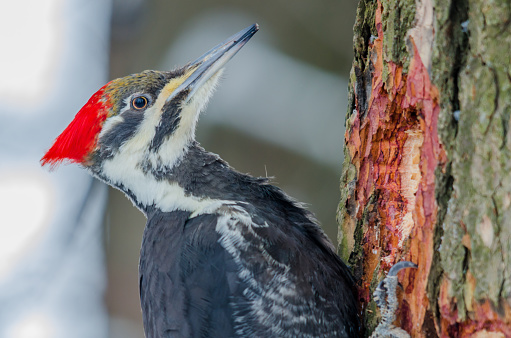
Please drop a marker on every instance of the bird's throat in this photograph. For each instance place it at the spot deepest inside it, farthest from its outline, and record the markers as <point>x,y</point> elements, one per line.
<point>186,184</point>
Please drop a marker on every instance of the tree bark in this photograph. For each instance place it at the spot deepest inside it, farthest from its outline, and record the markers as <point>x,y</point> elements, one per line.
<point>427,163</point>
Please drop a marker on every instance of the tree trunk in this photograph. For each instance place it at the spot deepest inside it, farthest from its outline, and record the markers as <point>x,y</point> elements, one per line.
<point>427,163</point>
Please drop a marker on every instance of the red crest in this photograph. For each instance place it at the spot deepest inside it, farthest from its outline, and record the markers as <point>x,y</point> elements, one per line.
<point>81,135</point>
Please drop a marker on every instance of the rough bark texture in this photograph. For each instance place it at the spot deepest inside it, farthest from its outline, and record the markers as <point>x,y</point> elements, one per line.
<point>427,162</point>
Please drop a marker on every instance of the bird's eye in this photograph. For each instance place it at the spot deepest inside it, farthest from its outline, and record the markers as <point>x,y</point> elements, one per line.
<point>139,102</point>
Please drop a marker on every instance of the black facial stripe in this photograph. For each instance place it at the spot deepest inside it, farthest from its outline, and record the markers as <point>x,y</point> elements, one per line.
<point>169,121</point>
<point>121,132</point>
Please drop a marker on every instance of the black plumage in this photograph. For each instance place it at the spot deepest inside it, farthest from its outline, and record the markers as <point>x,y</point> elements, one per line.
<point>186,278</point>
<point>192,286</point>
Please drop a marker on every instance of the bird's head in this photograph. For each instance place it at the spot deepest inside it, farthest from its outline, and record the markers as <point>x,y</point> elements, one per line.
<point>143,119</point>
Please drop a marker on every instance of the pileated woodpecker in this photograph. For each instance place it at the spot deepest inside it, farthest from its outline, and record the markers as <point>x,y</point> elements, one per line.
<point>223,253</point>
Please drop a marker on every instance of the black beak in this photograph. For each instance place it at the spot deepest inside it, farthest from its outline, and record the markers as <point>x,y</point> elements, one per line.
<point>212,61</point>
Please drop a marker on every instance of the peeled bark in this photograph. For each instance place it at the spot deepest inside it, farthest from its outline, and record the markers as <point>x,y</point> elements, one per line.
<point>427,163</point>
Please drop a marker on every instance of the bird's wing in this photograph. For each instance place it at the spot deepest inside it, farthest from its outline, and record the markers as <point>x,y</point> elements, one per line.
<point>188,294</point>
<point>295,284</point>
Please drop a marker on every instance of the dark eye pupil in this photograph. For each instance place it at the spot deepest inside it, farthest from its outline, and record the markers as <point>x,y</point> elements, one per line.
<point>139,102</point>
